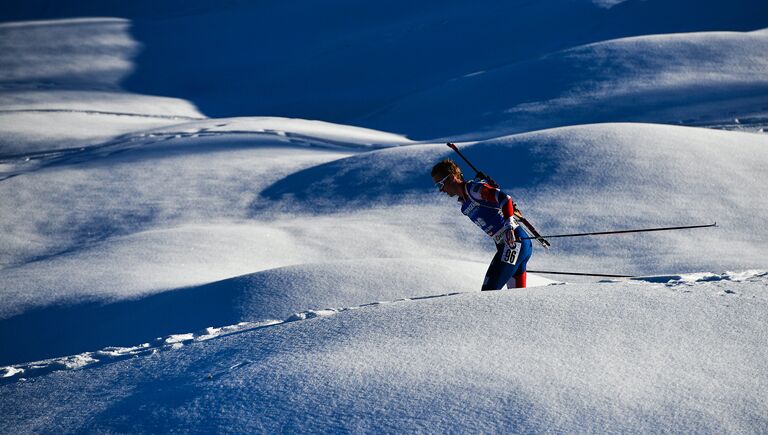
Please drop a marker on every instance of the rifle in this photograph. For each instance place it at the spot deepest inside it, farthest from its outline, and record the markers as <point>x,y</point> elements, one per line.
<point>518,214</point>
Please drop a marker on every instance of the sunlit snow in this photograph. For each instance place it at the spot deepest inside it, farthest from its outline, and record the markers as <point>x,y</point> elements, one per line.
<point>219,217</point>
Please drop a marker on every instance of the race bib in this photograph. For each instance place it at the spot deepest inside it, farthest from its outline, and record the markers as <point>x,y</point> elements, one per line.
<point>510,253</point>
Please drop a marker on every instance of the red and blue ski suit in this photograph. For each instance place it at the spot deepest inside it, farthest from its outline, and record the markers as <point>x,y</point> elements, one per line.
<point>493,211</point>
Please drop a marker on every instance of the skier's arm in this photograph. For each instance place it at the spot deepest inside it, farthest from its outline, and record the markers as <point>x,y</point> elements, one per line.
<point>508,210</point>
<point>496,196</point>
<point>506,204</point>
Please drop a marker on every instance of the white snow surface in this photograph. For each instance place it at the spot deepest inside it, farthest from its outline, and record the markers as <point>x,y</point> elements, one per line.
<point>675,79</point>
<point>615,357</point>
<point>216,220</point>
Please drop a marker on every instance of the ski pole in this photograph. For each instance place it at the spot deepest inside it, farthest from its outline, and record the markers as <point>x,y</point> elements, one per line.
<point>580,274</point>
<point>643,230</point>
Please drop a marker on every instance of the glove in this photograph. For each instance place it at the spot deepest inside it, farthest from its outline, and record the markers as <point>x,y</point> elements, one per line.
<point>509,237</point>
<point>511,251</point>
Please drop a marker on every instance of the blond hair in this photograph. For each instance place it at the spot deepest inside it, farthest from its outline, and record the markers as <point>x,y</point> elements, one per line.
<point>446,167</point>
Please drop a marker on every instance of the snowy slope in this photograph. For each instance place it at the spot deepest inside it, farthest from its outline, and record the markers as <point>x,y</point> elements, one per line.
<point>214,216</point>
<point>257,58</point>
<point>65,75</point>
<point>588,178</point>
<point>683,354</point>
<point>674,79</point>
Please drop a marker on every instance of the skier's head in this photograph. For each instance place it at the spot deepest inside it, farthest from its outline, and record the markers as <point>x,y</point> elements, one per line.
<point>447,167</point>
<point>448,178</point>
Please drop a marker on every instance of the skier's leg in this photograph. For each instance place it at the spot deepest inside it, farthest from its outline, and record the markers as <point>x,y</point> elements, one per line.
<point>498,272</point>
<point>492,275</point>
<point>521,276</point>
<point>520,280</point>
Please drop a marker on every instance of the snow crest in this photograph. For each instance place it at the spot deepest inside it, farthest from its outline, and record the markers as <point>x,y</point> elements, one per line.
<point>23,372</point>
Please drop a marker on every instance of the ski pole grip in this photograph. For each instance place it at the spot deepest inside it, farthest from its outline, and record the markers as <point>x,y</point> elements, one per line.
<point>452,146</point>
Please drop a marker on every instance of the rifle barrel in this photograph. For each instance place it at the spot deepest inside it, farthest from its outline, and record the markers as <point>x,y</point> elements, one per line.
<point>643,230</point>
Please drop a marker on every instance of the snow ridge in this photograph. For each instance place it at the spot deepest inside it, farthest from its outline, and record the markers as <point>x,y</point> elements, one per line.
<point>23,372</point>
<point>26,371</point>
<point>294,132</point>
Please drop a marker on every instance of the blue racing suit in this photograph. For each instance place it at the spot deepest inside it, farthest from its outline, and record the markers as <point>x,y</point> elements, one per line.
<point>493,211</point>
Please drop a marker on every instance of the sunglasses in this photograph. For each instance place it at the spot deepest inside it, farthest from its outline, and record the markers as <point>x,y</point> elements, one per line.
<point>441,183</point>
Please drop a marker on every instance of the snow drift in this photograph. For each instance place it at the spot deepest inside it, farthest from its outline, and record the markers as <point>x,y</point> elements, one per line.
<point>681,355</point>
<point>673,79</point>
<point>211,224</point>
<point>163,268</point>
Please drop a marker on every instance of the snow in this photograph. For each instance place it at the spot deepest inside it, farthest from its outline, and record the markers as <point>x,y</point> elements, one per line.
<point>86,51</point>
<point>218,217</point>
<point>608,357</point>
<point>670,78</point>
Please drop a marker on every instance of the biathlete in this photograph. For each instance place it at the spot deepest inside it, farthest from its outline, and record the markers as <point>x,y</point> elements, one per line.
<point>493,211</point>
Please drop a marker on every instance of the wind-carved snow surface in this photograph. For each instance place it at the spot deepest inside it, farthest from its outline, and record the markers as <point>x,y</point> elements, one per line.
<point>28,57</point>
<point>682,79</point>
<point>24,372</point>
<point>685,283</point>
<point>176,177</point>
<point>671,353</point>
